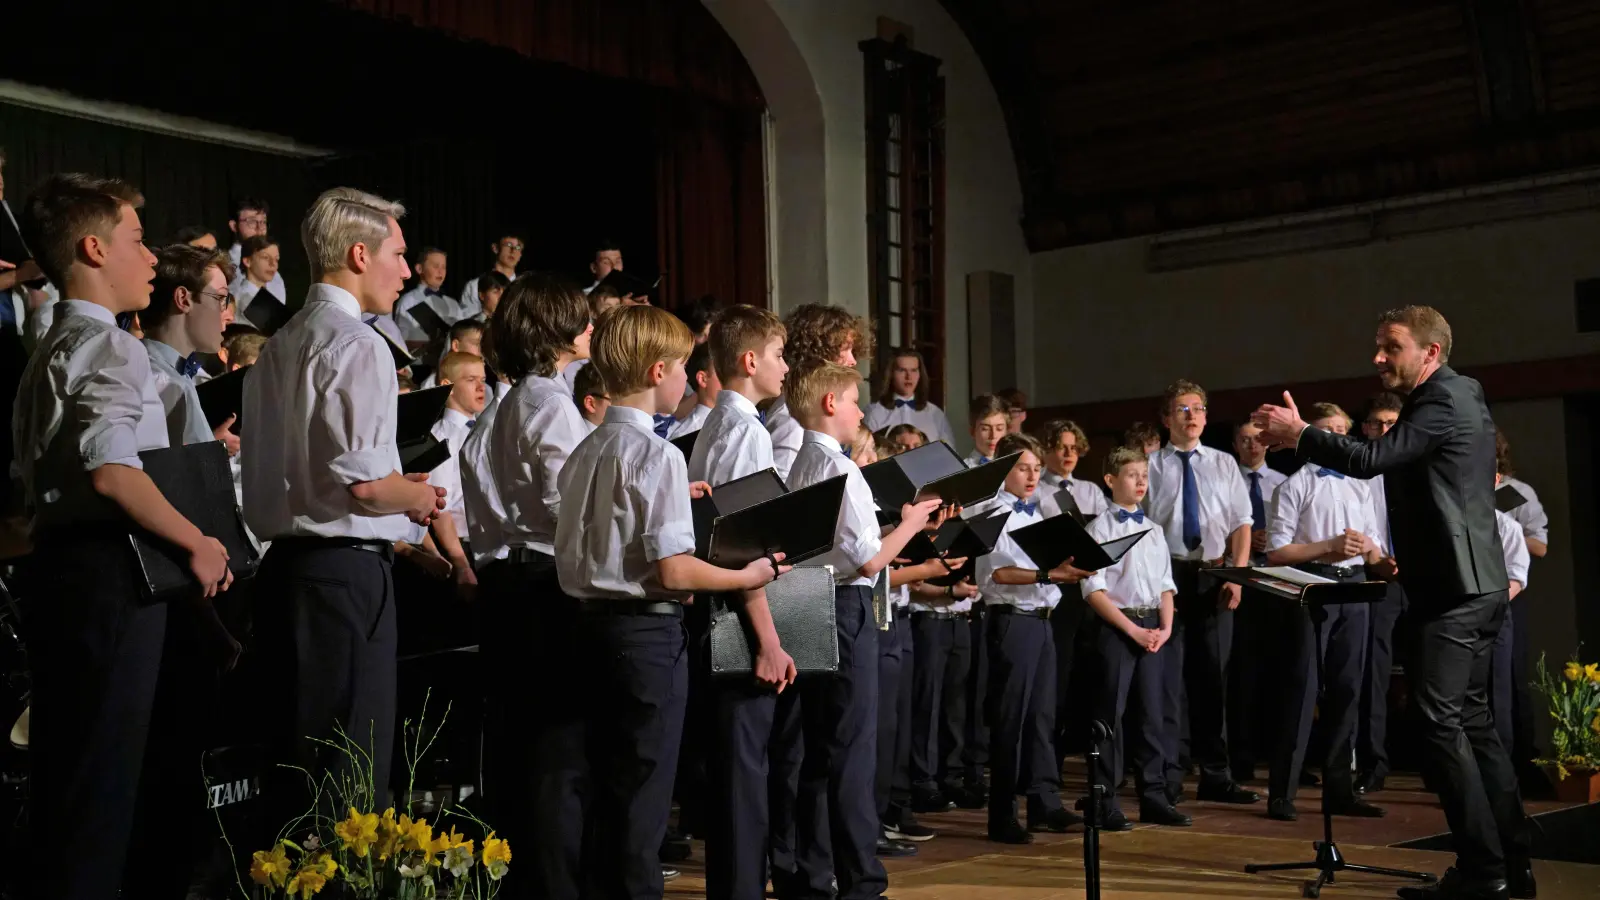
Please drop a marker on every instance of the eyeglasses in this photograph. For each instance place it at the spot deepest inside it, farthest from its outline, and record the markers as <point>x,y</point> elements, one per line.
<point>223,300</point>
<point>1198,409</point>
<point>253,220</point>
<point>511,245</point>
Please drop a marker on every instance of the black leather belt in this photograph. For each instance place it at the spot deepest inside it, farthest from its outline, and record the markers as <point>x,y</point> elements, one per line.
<point>1006,609</point>
<point>304,543</point>
<point>1140,612</point>
<point>631,608</point>
<point>939,614</point>
<point>527,555</point>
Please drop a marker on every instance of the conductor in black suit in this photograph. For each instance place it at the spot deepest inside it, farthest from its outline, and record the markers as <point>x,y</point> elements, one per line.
<point>1439,465</point>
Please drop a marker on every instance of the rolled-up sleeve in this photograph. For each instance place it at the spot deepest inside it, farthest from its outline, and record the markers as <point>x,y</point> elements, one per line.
<point>1238,498</point>
<point>1285,513</point>
<point>668,522</point>
<point>110,399</point>
<point>361,431</point>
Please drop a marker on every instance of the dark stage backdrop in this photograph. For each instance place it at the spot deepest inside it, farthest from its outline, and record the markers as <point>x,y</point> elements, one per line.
<point>567,121</point>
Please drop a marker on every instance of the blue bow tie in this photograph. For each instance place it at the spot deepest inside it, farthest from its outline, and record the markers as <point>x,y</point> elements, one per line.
<point>471,424</point>
<point>984,460</point>
<point>1324,472</point>
<point>1137,515</point>
<point>430,292</point>
<point>1026,508</point>
<point>189,365</point>
<point>369,320</point>
<point>901,404</point>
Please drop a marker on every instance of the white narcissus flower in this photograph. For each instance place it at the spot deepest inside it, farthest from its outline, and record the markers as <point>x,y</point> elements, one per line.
<point>458,860</point>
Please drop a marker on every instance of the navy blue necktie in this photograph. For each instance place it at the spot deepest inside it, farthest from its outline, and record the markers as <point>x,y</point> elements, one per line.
<point>761,417</point>
<point>471,424</point>
<point>1024,507</point>
<point>189,365</point>
<point>1137,515</point>
<point>845,451</point>
<point>1324,472</point>
<point>663,425</point>
<point>1191,500</point>
<point>1258,508</point>
<point>901,404</point>
<point>370,320</point>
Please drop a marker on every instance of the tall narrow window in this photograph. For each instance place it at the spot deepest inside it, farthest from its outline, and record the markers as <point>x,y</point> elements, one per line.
<point>905,205</point>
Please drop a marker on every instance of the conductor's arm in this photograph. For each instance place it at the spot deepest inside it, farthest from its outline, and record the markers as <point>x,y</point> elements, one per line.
<point>1429,423</point>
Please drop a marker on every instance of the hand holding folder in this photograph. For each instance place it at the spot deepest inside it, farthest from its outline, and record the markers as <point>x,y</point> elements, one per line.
<point>221,397</point>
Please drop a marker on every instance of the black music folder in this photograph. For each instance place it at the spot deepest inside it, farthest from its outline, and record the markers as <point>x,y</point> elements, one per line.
<point>800,524</point>
<point>196,480</point>
<point>803,614</point>
<point>402,356</point>
<point>1507,498</point>
<point>416,412</point>
<point>1309,589</point>
<point>1069,506</point>
<point>685,443</point>
<point>971,486</point>
<point>221,397</point>
<point>894,481</point>
<point>267,311</point>
<point>429,320</point>
<point>13,249</point>
<point>1059,538</point>
<point>976,537</point>
<point>728,498</point>
<point>631,285</point>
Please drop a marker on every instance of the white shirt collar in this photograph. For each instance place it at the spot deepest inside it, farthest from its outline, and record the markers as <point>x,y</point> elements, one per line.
<point>627,415</point>
<point>817,437</point>
<point>738,401</point>
<point>910,399</point>
<point>165,351</point>
<point>1247,470</point>
<point>92,310</point>
<point>338,296</point>
<point>456,417</point>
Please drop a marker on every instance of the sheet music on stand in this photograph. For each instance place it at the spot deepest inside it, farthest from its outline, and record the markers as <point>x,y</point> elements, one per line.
<point>1293,584</point>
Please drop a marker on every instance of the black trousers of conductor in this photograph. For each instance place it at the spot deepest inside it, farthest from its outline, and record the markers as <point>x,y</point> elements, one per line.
<point>1501,692</point>
<point>94,646</point>
<point>749,724</point>
<point>1196,679</point>
<point>1471,770</point>
<point>1022,701</point>
<point>326,630</point>
<point>1372,730</point>
<point>1344,641</point>
<point>1130,676</point>
<point>836,820</point>
<point>941,646</point>
<point>896,663</point>
<point>635,668</point>
<point>537,774</point>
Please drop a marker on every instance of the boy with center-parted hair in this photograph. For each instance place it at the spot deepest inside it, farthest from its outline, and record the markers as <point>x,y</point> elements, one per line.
<point>989,424</point>
<point>836,799</point>
<point>1199,499</point>
<point>1322,523</point>
<point>1143,437</point>
<point>814,331</point>
<point>704,386</point>
<point>1064,444</point>
<point>1016,408</point>
<point>904,399</point>
<point>1018,597</point>
<point>1132,603</point>
<point>85,408</point>
<point>625,544</point>
<point>432,267</point>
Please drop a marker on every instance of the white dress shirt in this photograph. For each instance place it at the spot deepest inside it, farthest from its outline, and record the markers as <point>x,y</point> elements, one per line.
<point>453,429</point>
<point>976,459</point>
<point>570,374</point>
<point>186,421</point>
<point>732,443</point>
<point>320,403</point>
<point>930,419</point>
<point>276,284</point>
<point>1314,507</point>
<point>858,537</point>
<point>40,317</point>
<point>1090,499</point>
<point>1139,578</point>
<point>787,436</point>
<point>449,309</point>
<point>1224,500</point>
<point>1515,546</point>
<point>1531,515</point>
<point>1007,552</point>
<point>536,428</point>
<point>1380,514</point>
<point>388,326</point>
<point>85,399</point>
<point>694,421</point>
<point>627,509</point>
<point>480,498</point>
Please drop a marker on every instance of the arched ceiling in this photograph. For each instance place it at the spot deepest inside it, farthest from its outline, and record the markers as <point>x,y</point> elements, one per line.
<point>1143,116</point>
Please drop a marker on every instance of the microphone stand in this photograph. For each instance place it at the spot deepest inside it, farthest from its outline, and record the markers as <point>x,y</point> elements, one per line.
<point>1099,733</point>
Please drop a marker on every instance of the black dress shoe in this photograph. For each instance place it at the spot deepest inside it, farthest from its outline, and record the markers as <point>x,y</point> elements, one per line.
<point>668,873</point>
<point>1282,809</point>
<point>1307,779</point>
<point>1358,808</point>
<point>895,849</point>
<point>1369,783</point>
<point>1164,815</point>
<point>1519,879</point>
<point>675,850</point>
<point>1056,820</point>
<point>1175,795</point>
<point>1455,886</point>
<point>1227,793</point>
<point>934,802</point>
<point>1116,821</point>
<point>971,797</point>
<point>1009,833</point>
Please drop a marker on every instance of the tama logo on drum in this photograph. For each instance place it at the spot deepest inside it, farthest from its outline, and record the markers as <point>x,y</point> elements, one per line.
<point>230,792</point>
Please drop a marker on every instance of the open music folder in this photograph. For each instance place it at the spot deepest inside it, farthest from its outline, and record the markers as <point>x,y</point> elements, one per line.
<point>1060,538</point>
<point>221,397</point>
<point>417,411</point>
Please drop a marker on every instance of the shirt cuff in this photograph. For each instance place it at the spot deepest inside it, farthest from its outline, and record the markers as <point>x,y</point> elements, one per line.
<point>1093,583</point>
<point>358,466</point>
<point>118,444</point>
<point>671,541</point>
<point>863,550</point>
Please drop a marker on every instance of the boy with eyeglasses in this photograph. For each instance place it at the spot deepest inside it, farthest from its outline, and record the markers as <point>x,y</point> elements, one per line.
<point>507,253</point>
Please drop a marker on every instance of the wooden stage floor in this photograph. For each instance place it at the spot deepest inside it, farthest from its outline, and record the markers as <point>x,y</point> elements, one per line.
<point>1207,860</point>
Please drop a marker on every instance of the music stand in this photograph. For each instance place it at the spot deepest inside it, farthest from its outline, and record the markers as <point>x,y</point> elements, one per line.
<point>1313,595</point>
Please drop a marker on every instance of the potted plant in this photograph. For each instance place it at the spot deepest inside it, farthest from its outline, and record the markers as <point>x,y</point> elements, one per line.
<point>1573,697</point>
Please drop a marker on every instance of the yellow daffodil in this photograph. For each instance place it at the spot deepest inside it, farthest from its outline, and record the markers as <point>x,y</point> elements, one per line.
<point>1595,725</point>
<point>324,864</point>
<point>270,867</point>
<point>307,882</point>
<point>496,856</point>
<point>437,847</point>
<point>359,832</point>
<point>389,836</point>
<point>416,836</point>
<point>1573,671</point>
<point>1592,672</point>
